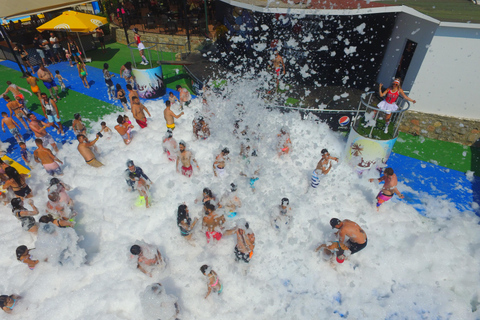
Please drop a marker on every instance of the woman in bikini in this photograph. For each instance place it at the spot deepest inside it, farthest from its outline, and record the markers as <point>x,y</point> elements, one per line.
<point>82,73</point>
<point>23,255</point>
<point>17,182</point>
<point>213,282</point>
<point>184,222</point>
<point>24,215</point>
<point>8,302</point>
<point>32,81</point>
<point>61,223</point>
<point>121,96</point>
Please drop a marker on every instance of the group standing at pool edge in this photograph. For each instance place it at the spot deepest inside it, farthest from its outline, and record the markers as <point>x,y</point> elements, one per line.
<point>352,238</point>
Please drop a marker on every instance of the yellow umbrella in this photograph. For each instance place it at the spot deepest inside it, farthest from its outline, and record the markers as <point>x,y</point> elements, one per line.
<point>75,22</point>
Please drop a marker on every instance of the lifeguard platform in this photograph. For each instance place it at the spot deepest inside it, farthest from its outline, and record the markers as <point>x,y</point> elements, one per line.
<point>371,139</point>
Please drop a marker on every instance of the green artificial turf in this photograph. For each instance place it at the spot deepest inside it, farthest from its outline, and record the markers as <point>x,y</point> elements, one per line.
<point>116,55</point>
<point>91,109</point>
<point>443,10</point>
<point>446,154</point>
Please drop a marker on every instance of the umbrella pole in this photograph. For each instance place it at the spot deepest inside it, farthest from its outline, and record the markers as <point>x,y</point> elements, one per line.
<point>7,39</point>
<point>84,53</point>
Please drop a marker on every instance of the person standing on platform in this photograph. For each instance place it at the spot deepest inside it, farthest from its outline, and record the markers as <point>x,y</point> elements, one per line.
<point>140,46</point>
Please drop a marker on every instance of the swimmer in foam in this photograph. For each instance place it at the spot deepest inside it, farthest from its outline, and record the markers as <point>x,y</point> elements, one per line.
<point>7,303</point>
<point>335,249</point>
<point>212,223</point>
<point>213,282</point>
<point>284,143</point>
<point>169,116</point>
<point>219,164</point>
<point>230,201</point>
<point>245,241</point>
<point>323,167</point>
<point>389,188</point>
<point>186,157</point>
<point>184,222</point>
<point>284,218</point>
<point>170,146</point>
<point>349,234</point>
<point>148,257</point>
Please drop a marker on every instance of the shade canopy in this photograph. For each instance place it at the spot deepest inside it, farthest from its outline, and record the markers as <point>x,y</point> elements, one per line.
<point>73,21</point>
<point>13,8</point>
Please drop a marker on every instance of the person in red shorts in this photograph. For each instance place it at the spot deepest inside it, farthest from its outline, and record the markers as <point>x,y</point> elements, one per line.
<point>212,222</point>
<point>186,157</point>
<point>138,112</point>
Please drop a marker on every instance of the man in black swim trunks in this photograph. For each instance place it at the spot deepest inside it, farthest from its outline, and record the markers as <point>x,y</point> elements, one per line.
<point>357,238</point>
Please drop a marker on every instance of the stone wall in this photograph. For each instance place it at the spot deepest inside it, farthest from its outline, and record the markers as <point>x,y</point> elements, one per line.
<point>459,130</point>
<point>176,43</point>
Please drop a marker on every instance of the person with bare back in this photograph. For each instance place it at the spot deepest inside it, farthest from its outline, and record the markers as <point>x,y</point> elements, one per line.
<point>186,157</point>
<point>122,128</point>
<point>389,188</point>
<point>350,234</point>
<point>212,222</point>
<point>138,112</point>
<point>47,159</point>
<point>38,128</point>
<point>169,115</point>
<point>16,110</point>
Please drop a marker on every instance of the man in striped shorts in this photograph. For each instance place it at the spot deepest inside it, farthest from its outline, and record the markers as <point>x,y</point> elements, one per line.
<point>323,167</point>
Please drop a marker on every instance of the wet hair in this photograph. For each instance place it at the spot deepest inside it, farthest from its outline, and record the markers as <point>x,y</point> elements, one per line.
<point>204,268</point>
<point>129,87</point>
<point>4,114</point>
<point>130,163</point>
<point>28,74</point>
<point>81,135</point>
<point>29,115</point>
<point>178,86</point>
<point>103,123</point>
<point>169,133</point>
<point>335,222</point>
<point>118,86</point>
<point>183,143</point>
<point>46,218</point>
<point>9,82</point>
<point>182,214</point>
<point>132,175</point>
<point>21,143</point>
<point>167,103</point>
<point>135,30</point>
<point>208,192</point>
<point>135,249</point>
<point>21,250</point>
<point>135,97</point>
<point>128,65</point>
<point>209,205</point>
<point>233,187</point>
<point>226,150</point>
<point>57,72</point>
<point>7,98</point>
<point>247,226</point>
<point>16,203</point>
<point>105,65</point>
<point>53,196</point>
<point>120,119</point>
<point>3,299</point>
<point>77,116</point>
<point>54,181</point>
<point>388,171</point>
<point>324,151</point>
<point>285,200</point>
<point>12,173</point>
